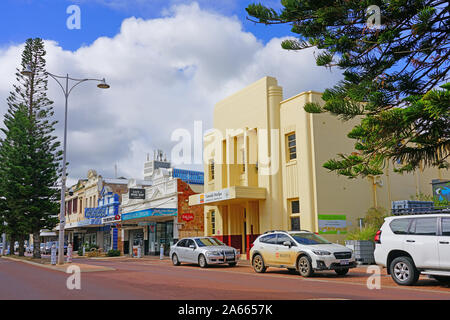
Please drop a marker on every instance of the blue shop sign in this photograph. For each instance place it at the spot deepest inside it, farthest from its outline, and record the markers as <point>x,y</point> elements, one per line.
<point>89,222</point>
<point>155,212</point>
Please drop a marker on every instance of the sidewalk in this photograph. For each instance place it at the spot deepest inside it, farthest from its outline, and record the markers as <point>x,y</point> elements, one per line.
<point>61,268</point>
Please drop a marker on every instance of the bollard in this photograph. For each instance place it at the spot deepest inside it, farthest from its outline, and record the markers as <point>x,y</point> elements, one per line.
<point>69,253</point>
<point>161,252</point>
<point>139,252</point>
<point>84,251</point>
<point>53,254</point>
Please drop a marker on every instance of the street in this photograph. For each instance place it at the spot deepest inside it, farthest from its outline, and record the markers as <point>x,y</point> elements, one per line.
<point>155,279</point>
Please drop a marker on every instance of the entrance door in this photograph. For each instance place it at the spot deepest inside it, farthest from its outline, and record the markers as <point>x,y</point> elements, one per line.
<point>164,236</point>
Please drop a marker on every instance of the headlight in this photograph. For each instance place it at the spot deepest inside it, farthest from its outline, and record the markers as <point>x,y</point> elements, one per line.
<point>321,253</point>
<point>212,253</point>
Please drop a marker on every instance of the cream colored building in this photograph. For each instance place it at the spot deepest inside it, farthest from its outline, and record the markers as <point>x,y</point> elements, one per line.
<point>263,170</point>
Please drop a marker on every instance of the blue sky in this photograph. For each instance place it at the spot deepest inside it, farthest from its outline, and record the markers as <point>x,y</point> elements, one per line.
<point>22,19</point>
<point>168,63</point>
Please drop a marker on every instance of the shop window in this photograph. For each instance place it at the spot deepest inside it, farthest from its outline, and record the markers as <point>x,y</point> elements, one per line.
<point>213,222</point>
<point>291,147</point>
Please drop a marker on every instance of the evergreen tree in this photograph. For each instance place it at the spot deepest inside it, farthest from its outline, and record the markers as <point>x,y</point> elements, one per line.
<point>388,71</point>
<point>31,178</point>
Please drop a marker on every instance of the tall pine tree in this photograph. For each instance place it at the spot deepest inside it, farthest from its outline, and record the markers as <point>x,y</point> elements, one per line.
<point>392,73</point>
<point>37,172</point>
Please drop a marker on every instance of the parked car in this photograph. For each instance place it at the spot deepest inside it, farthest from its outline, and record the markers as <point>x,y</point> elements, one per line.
<point>301,251</point>
<point>48,247</point>
<point>42,248</point>
<point>29,249</point>
<point>412,245</point>
<point>204,251</point>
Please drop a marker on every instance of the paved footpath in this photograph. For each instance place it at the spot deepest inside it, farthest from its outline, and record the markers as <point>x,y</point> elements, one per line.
<point>154,279</point>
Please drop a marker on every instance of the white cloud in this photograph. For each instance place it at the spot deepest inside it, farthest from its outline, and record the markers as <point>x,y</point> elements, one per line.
<point>164,73</point>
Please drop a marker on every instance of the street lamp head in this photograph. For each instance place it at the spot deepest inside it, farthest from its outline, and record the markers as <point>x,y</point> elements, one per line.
<point>27,71</point>
<point>103,84</point>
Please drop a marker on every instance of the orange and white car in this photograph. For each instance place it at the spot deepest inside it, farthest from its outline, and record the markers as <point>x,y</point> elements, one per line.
<point>300,251</point>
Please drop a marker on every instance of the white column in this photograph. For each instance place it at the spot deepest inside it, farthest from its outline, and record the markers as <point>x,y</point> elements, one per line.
<point>4,244</point>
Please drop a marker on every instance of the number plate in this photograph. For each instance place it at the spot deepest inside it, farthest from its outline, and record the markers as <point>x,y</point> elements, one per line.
<point>345,262</point>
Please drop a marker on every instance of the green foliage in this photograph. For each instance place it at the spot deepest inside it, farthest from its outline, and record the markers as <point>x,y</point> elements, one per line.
<point>422,197</point>
<point>367,233</point>
<point>373,221</point>
<point>113,253</point>
<point>391,76</point>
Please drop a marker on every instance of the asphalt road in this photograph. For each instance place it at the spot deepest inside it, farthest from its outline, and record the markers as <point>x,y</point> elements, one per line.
<point>147,279</point>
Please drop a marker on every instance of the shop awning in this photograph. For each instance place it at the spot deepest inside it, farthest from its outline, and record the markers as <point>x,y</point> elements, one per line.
<point>228,194</point>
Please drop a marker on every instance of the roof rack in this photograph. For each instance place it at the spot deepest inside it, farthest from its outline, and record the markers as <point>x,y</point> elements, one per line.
<point>284,231</point>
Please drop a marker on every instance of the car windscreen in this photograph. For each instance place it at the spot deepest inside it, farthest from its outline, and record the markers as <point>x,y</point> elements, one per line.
<point>308,238</point>
<point>207,242</point>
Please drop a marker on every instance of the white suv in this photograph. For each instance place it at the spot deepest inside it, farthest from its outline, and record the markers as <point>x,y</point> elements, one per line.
<point>301,251</point>
<point>411,245</point>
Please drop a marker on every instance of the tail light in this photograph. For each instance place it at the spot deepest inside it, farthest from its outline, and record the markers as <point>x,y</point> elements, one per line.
<point>377,238</point>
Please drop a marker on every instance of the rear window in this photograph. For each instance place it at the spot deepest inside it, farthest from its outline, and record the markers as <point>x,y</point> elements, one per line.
<point>424,227</point>
<point>400,226</point>
<point>271,239</point>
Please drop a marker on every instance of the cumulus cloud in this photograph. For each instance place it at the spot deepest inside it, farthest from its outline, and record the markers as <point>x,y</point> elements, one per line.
<point>165,73</point>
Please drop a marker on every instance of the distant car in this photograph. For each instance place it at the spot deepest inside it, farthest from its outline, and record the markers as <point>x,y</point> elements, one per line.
<point>30,249</point>
<point>204,251</point>
<point>412,245</point>
<point>301,251</point>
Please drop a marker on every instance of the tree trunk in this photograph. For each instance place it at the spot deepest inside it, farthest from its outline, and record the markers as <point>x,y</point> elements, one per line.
<point>12,241</point>
<point>21,246</point>
<point>36,245</point>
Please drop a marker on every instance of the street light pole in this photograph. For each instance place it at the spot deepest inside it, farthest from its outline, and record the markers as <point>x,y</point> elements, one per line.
<point>62,219</point>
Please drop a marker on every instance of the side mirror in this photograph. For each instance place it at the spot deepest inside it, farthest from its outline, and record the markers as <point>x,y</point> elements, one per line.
<point>287,244</point>
<point>192,246</point>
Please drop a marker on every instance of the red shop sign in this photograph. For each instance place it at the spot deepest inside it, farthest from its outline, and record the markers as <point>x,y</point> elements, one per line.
<point>187,217</point>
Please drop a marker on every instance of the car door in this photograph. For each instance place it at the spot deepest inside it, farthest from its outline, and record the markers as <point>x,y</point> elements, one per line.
<point>283,254</point>
<point>267,248</point>
<point>191,253</point>
<point>180,250</point>
<point>444,244</point>
<point>422,242</point>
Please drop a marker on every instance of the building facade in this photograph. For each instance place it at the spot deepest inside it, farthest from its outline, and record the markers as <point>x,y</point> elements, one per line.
<point>263,170</point>
<point>87,203</point>
<point>159,214</point>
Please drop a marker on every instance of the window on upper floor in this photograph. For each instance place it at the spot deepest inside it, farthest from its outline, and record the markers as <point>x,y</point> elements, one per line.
<point>211,170</point>
<point>291,147</point>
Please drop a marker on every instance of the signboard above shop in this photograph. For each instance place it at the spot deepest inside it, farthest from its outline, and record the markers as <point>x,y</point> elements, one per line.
<point>137,194</point>
<point>214,196</point>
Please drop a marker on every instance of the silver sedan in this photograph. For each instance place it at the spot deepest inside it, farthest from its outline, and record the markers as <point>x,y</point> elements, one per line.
<point>204,251</point>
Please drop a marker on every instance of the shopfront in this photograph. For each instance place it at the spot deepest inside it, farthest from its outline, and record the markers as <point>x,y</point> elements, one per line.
<point>148,230</point>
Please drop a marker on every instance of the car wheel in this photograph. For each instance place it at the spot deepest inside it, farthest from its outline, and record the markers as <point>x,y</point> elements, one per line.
<point>258,264</point>
<point>442,279</point>
<point>202,261</point>
<point>341,272</point>
<point>304,266</point>
<point>403,271</point>
<point>175,260</point>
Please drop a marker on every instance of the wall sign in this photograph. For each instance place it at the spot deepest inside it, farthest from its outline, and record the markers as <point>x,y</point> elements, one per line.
<point>213,196</point>
<point>332,224</point>
<point>187,217</point>
<point>137,194</point>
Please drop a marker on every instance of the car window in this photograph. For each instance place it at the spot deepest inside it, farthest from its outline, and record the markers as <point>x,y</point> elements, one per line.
<point>424,227</point>
<point>208,242</point>
<point>190,242</point>
<point>400,226</point>
<point>182,243</point>
<point>282,238</point>
<point>308,238</point>
<point>446,226</point>
<point>269,239</point>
